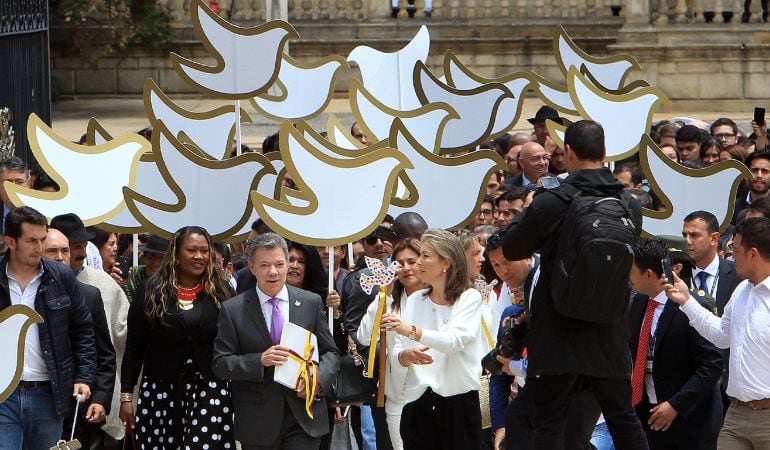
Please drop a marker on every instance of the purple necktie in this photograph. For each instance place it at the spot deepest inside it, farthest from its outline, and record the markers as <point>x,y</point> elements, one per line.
<point>276,321</point>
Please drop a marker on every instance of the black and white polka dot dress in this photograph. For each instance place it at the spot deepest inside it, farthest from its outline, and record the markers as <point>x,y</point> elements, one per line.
<point>197,417</point>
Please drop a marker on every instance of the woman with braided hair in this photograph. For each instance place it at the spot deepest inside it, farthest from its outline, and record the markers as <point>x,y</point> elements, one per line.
<point>172,323</point>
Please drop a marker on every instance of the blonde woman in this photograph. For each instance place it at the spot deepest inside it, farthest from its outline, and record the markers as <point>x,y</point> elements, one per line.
<point>441,343</point>
<point>407,253</point>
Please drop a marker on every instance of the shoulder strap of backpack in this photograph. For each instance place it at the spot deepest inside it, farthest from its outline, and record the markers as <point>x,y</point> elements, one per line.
<point>565,191</point>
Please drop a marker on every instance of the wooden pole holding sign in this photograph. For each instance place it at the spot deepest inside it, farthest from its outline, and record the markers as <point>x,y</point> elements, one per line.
<point>331,286</point>
<point>383,353</point>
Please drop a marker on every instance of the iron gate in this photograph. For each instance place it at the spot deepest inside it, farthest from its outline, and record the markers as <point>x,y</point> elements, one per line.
<point>24,66</point>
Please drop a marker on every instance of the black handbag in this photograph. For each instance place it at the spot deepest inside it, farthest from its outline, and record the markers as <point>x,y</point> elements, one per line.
<point>351,387</point>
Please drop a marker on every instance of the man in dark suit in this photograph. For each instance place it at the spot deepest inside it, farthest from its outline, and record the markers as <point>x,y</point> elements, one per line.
<point>267,414</point>
<point>712,275</point>
<point>675,378</point>
<point>93,414</point>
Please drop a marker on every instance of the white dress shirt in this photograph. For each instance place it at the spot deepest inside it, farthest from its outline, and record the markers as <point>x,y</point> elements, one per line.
<point>745,329</point>
<point>34,364</point>
<point>649,385</point>
<point>267,307</point>
<point>455,341</point>
<point>711,282</point>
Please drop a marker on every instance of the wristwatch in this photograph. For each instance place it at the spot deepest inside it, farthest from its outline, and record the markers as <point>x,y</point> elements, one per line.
<point>413,334</point>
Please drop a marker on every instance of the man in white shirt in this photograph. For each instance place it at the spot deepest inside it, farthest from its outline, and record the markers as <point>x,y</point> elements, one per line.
<point>744,328</point>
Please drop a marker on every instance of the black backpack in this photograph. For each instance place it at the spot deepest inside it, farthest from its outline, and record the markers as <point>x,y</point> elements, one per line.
<point>594,256</point>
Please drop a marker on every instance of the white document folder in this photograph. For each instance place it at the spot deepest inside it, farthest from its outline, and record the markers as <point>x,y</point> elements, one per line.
<point>294,337</point>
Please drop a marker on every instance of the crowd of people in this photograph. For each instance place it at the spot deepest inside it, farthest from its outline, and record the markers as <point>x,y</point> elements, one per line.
<point>521,330</point>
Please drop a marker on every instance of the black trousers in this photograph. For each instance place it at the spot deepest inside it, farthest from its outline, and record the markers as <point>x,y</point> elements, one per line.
<point>292,436</point>
<point>581,420</point>
<point>553,392</point>
<point>448,423</point>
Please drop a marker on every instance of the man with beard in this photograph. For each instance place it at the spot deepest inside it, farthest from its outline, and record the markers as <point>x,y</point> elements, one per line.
<point>759,166</point>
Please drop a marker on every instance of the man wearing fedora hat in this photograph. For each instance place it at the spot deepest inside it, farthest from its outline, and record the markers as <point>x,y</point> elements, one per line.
<point>154,251</point>
<point>115,301</point>
<point>543,114</point>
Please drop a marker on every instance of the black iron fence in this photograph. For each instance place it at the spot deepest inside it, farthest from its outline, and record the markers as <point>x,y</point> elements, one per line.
<point>24,66</point>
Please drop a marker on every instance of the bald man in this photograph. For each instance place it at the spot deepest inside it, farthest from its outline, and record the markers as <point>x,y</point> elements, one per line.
<point>533,161</point>
<point>88,429</point>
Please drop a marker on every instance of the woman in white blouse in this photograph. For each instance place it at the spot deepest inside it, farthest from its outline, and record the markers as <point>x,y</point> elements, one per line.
<point>440,343</point>
<point>406,253</point>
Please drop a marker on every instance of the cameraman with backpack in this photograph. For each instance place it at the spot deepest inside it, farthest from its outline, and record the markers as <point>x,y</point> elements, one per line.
<point>585,231</point>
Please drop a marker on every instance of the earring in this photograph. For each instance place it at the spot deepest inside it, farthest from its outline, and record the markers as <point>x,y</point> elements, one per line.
<point>444,270</point>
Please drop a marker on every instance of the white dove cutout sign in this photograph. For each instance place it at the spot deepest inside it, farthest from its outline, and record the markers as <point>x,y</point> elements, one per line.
<point>388,76</point>
<point>66,162</point>
<point>15,322</point>
<point>211,130</point>
<point>306,89</point>
<point>509,109</point>
<point>345,204</point>
<point>238,73</point>
<point>625,117</point>
<point>683,190</point>
<point>433,180</point>
<point>212,194</point>
<point>476,108</point>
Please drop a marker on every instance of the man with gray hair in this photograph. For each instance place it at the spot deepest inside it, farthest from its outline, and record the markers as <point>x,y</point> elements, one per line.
<point>12,169</point>
<point>269,415</point>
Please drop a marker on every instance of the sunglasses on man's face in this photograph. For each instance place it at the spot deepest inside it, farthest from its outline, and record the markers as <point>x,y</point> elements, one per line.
<point>384,236</point>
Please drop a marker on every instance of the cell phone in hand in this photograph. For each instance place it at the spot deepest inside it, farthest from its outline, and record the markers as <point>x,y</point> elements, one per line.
<point>667,270</point>
<point>124,263</point>
<point>759,116</point>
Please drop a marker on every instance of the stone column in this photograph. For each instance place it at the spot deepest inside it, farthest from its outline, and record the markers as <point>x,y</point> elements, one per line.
<point>638,13</point>
<point>276,10</point>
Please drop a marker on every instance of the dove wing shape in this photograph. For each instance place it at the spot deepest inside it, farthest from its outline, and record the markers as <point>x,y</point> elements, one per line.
<point>238,72</point>
<point>388,76</point>
<point>509,110</point>
<point>212,132</point>
<point>66,162</point>
<point>608,72</point>
<point>307,87</point>
<point>339,136</point>
<point>375,118</point>
<point>624,117</point>
<point>683,190</point>
<point>15,322</point>
<point>476,108</point>
<point>212,194</point>
<point>435,178</point>
<point>345,204</point>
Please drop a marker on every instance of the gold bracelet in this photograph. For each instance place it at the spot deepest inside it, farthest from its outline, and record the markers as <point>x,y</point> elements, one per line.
<point>126,397</point>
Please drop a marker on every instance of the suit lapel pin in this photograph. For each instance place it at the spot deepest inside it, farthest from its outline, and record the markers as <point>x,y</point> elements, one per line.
<point>296,303</point>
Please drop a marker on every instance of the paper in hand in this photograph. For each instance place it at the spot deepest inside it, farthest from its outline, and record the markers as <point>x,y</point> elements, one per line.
<point>295,338</point>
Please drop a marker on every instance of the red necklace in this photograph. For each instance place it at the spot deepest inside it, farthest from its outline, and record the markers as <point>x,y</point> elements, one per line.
<point>188,294</point>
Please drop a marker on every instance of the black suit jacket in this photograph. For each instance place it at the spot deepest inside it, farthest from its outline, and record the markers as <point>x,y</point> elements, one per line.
<point>245,280</point>
<point>686,371</point>
<point>728,280</point>
<point>258,401</point>
<point>105,352</point>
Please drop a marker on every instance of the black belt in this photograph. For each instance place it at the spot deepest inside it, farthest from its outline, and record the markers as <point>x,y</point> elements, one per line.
<point>34,384</point>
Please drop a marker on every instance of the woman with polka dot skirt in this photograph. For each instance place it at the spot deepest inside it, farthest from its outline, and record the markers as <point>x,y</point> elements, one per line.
<point>172,323</point>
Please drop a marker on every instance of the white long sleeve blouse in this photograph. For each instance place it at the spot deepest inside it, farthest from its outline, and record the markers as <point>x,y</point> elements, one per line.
<point>455,340</point>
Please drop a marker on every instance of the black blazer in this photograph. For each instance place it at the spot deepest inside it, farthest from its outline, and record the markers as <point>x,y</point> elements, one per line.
<point>728,280</point>
<point>258,401</point>
<point>101,393</point>
<point>161,347</point>
<point>686,371</point>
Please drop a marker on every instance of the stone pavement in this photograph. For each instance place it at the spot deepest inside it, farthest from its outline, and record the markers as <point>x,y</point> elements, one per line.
<point>125,115</point>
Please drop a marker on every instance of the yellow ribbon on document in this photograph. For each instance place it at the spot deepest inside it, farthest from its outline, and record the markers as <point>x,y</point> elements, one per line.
<point>308,372</point>
<point>376,334</point>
